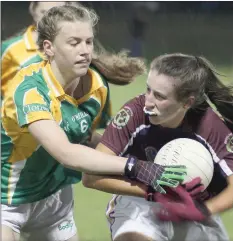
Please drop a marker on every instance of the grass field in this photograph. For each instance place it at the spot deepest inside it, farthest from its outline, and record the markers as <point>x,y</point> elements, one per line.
<point>90,204</point>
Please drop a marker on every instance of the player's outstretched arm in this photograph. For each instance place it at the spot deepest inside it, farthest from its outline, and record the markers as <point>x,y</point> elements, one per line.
<point>74,156</point>
<point>85,159</point>
<point>113,184</point>
<point>120,185</point>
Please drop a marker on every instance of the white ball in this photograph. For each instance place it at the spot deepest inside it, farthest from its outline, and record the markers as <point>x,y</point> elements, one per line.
<point>192,154</point>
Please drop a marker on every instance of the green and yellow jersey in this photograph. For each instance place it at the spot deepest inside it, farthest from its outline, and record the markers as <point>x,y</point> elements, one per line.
<point>18,52</point>
<point>29,173</point>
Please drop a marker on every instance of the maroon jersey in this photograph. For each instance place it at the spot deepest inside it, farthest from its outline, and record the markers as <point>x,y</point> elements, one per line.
<point>131,133</point>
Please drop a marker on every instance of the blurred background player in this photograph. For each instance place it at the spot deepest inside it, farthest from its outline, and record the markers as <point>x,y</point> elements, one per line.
<point>22,49</point>
<point>48,114</point>
<point>176,104</point>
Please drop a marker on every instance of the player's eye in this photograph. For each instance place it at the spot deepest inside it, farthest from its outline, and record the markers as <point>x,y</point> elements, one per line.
<point>159,97</point>
<point>73,44</point>
<point>89,42</point>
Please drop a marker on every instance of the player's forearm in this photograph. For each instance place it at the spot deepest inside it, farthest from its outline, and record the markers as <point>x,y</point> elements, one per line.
<point>221,202</point>
<point>114,185</point>
<point>85,159</point>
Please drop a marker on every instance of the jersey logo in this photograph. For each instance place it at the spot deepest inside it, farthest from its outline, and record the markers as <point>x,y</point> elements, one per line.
<point>35,108</point>
<point>122,118</point>
<point>229,142</point>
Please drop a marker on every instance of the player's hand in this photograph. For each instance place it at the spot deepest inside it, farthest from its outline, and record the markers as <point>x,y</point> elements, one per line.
<point>194,188</point>
<point>153,174</point>
<point>181,207</point>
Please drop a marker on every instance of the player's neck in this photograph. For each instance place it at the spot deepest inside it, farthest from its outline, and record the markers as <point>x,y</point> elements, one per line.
<point>175,122</point>
<point>79,88</point>
<point>66,81</point>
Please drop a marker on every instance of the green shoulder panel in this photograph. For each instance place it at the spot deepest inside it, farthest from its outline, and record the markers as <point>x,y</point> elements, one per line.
<point>7,43</point>
<point>33,60</point>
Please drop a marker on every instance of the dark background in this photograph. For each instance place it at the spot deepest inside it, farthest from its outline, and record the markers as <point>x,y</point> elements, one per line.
<point>200,28</point>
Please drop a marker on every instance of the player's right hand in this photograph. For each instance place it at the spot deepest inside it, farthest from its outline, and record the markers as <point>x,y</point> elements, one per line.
<point>153,174</point>
<point>181,207</point>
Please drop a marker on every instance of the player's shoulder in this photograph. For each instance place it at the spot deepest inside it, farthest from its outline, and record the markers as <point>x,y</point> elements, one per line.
<point>137,102</point>
<point>135,106</point>
<point>130,114</point>
<point>30,72</point>
<point>212,117</point>
<point>27,78</point>
<point>212,122</point>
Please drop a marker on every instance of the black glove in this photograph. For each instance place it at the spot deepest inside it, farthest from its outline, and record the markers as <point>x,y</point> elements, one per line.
<point>153,174</point>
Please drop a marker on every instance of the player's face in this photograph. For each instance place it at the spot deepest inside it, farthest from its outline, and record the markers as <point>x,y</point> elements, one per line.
<point>72,48</point>
<point>161,103</point>
<point>42,7</point>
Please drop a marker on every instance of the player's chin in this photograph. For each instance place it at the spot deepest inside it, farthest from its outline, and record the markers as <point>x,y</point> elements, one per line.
<point>154,119</point>
<point>81,71</point>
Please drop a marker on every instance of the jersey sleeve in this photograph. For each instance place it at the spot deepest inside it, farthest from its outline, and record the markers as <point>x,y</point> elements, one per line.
<point>219,139</point>
<point>29,103</point>
<point>119,132</point>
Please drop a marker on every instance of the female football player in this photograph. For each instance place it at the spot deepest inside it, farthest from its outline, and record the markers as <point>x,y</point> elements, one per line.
<point>183,99</point>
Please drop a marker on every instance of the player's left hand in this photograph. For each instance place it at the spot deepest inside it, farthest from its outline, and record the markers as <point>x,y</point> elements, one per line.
<point>181,207</point>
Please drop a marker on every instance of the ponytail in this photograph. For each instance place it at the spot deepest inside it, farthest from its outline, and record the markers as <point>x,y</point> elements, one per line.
<point>219,94</point>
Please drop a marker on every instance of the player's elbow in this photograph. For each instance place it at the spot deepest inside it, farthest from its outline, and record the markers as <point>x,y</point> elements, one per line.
<point>87,180</point>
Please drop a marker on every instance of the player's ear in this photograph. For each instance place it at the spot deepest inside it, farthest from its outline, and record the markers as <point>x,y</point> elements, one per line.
<point>48,48</point>
<point>189,102</point>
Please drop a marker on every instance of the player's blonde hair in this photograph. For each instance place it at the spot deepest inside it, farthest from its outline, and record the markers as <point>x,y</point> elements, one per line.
<point>118,68</point>
<point>48,26</point>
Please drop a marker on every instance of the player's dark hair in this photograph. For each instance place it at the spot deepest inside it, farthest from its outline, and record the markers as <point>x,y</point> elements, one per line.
<point>196,77</point>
